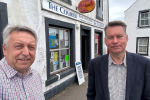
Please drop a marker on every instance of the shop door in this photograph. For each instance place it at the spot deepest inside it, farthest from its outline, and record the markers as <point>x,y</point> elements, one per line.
<point>98,43</point>
<point>85,50</point>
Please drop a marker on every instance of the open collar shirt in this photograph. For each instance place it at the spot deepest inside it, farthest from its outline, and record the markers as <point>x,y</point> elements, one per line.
<point>13,86</point>
<point>117,79</point>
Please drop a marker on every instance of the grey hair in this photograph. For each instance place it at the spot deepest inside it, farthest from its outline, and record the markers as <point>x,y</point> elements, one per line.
<point>18,28</point>
<point>115,23</point>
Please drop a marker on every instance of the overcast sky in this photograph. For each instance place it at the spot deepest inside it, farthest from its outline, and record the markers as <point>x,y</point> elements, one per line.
<point>117,8</point>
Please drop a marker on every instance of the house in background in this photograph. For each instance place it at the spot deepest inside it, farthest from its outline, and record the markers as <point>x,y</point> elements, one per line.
<point>137,18</point>
<point>65,36</point>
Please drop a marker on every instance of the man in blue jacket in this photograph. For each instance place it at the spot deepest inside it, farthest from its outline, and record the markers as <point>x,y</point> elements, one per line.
<point>119,75</point>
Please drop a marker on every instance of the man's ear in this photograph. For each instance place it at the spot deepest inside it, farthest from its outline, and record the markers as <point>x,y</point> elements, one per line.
<point>4,50</point>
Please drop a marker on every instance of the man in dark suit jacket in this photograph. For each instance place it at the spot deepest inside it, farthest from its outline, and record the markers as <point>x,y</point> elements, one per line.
<point>119,75</point>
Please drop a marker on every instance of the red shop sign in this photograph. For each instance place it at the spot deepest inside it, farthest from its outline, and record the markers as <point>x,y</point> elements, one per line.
<point>86,6</point>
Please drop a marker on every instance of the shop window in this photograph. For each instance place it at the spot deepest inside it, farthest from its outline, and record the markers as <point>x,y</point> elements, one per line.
<point>68,1</point>
<point>59,48</point>
<point>144,19</point>
<point>99,9</point>
<point>142,45</point>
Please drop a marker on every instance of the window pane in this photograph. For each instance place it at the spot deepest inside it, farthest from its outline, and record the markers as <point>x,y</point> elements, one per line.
<point>146,15</point>
<point>64,38</point>
<point>96,48</point>
<point>145,42</point>
<point>142,22</point>
<point>64,58</point>
<point>140,48</point>
<point>140,41</point>
<point>146,22</point>
<point>53,38</point>
<point>54,61</point>
<point>144,49</point>
<point>142,16</point>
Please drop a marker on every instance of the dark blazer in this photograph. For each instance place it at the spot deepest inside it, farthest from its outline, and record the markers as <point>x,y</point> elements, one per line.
<point>137,82</point>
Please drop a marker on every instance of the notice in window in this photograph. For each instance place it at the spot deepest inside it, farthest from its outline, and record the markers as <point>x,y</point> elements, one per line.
<point>66,57</point>
<point>52,54</point>
<point>52,43</point>
<point>55,56</point>
<point>66,38</point>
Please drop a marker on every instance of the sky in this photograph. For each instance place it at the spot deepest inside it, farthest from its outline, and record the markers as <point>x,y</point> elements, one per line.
<point>117,8</point>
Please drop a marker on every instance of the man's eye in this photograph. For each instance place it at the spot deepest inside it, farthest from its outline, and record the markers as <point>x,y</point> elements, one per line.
<point>110,37</point>
<point>119,36</point>
<point>31,47</point>
<point>18,46</point>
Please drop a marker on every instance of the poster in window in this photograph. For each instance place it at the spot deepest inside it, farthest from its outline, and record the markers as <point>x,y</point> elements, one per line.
<point>52,54</point>
<point>66,38</point>
<point>66,57</point>
<point>55,56</point>
<point>62,55</point>
<point>52,41</point>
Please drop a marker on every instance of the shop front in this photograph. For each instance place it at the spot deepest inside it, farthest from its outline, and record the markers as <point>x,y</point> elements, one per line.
<point>65,36</point>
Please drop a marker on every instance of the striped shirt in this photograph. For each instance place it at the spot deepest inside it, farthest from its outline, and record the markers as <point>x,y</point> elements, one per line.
<point>13,86</point>
<point>117,79</point>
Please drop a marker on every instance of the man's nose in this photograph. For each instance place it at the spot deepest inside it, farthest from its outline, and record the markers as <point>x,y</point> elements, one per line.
<point>115,40</point>
<point>25,51</point>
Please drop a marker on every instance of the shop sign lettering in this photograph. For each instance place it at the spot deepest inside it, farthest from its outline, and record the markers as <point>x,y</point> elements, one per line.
<point>50,6</point>
<point>86,6</point>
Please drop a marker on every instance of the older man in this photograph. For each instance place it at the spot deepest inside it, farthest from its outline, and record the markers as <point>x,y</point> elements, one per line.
<point>119,75</point>
<point>17,80</point>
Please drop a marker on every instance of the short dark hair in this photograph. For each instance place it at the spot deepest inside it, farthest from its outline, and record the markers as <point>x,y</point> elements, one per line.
<point>116,23</point>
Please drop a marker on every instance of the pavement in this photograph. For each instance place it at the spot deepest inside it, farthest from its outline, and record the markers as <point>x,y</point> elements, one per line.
<point>74,92</point>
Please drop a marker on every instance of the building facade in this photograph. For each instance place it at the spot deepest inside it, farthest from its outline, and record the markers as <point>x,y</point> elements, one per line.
<point>65,36</point>
<point>137,18</point>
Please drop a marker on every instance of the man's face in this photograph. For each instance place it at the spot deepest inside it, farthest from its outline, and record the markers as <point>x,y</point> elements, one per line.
<point>116,39</point>
<point>21,50</point>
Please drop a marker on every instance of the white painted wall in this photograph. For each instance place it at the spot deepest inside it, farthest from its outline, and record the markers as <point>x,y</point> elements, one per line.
<point>131,19</point>
<point>30,13</point>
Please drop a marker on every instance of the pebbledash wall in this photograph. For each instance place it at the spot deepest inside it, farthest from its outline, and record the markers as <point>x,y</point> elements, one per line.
<point>65,36</point>
<point>137,18</point>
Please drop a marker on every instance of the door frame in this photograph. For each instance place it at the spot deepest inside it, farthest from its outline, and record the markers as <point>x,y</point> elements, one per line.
<point>82,27</point>
<point>100,41</point>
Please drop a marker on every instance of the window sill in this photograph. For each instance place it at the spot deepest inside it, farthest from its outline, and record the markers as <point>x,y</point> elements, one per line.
<point>143,54</point>
<point>143,26</point>
<point>54,78</point>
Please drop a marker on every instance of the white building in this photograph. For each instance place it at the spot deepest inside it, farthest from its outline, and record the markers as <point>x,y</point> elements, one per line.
<point>137,18</point>
<point>65,36</point>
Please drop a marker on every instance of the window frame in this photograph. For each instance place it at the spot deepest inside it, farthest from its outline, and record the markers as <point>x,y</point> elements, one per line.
<point>137,46</point>
<point>68,2</point>
<point>139,18</point>
<point>56,23</point>
<point>59,49</point>
<point>98,6</point>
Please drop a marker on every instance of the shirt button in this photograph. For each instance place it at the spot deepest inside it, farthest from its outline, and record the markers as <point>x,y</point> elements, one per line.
<point>121,94</point>
<point>27,94</point>
<point>119,80</point>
